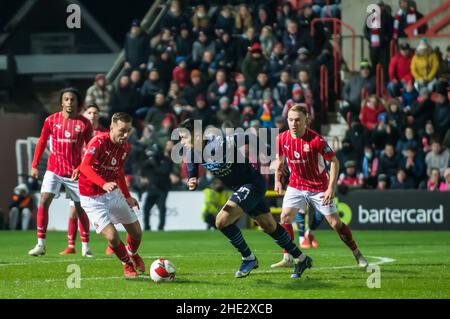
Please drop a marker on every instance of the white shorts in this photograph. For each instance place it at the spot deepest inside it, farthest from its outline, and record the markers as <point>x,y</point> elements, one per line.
<point>109,208</point>
<point>52,184</point>
<point>294,198</point>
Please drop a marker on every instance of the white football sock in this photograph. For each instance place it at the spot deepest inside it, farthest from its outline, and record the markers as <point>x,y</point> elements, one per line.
<point>41,241</point>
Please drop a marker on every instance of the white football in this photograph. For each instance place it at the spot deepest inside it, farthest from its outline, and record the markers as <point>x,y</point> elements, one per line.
<point>162,270</point>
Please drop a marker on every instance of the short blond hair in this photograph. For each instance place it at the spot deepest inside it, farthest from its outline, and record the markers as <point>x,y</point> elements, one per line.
<point>299,108</point>
<point>121,116</point>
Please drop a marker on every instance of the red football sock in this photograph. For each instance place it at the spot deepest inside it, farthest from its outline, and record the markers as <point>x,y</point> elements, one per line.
<point>121,253</point>
<point>83,224</point>
<point>42,221</point>
<point>133,244</point>
<point>290,231</point>
<point>347,237</point>
<point>72,231</point>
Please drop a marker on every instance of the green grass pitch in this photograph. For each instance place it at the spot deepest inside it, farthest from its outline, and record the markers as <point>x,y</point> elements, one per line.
<point>412,265</point>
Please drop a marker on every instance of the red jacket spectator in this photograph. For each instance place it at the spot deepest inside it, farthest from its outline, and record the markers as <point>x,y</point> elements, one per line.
<point>400,68</point>
<point>370,111</point>
<point>180,73</point>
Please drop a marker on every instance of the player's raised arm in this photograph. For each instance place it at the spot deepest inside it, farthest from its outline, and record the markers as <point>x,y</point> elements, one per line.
<point>40,148</point>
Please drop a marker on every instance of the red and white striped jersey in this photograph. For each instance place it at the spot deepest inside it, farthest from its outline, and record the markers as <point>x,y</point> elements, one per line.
<point>306,157</point>
<point>67,137</point>
<point>106,159</point>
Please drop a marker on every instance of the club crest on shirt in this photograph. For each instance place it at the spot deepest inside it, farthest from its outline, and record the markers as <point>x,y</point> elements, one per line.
<point>67,134</point>
<point>296,154</point>
<point>77,128</point>
<point>306,148</point>
<point>113,162</point>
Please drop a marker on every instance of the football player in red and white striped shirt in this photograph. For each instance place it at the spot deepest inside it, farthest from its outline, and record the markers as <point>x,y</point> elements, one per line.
<point>92,113</point>
<point>68,132</point>
<point>306,152</point>
<point>104,193</point>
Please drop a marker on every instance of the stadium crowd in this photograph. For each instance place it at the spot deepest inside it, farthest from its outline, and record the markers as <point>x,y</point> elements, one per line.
<point>237,64</point>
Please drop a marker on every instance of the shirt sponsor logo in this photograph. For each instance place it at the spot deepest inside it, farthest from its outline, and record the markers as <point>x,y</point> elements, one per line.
<point>113,162</point>
<point>67,134</point>
<point>296,154</point>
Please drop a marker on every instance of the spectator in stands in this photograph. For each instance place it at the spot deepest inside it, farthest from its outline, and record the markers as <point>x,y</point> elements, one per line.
<point>382,183</point>
<point>292,40</point>
<point>421,110</point>
<point>316,41</point>
<point>136,80</point>
<point>180,73</point>
<point>311,99</point>
<point>267,112</point>
<point>303,62</point>
<point>207,66</point>
<point>358,136</point>
<point>445,185</point>
<point>253,64</point>
<point>424,66</point>
<point>219,88</point>
<point>395,118</point>
<point>444,67</point>
<point>282,90</point>
<point>193,89</point>
<point>330,8</point>
<point>224,21</point>
<point>124,98</point>
<point>400,70</point>
<point>184,42</point>
<point>441,114</point>
<point>263,20</point>
<point>369,167</point>
<point>175,17</point>
<point>267,40</point>
<point>163,41</point>
<point>285,15</point>
<point>226,52</point>
<point>243,19</point>
<point>402,181</point>
<point>202,111</point>
<point>405,16</point>
<point>100,93</point>
<point>240,99</point>
<point>200,19</point>
<point>354,88</point>
<point>350,177</point>
<point>382,134</point>
<point>157,112</point>
<point>245,41</point>
<point>380,39</point>
<point>406,141</point>
<point>371,108</point>
<point>413,164</point>
<point>164,65</point>
<point>389,161</point>
<point>425,136</point>
<point>409,96</point>
<point>136,48</point>
<point>276,63</point>
<point>21,208</point>
<point>257,90</point>
<point>434,180</point>
<point>227,113</point>
<point>151,87</point>
<point>438,157</point>
<point>203,43</point>
<point>346,153</point>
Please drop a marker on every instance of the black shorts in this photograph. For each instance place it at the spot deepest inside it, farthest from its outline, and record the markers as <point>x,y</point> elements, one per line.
<point>251,198</point>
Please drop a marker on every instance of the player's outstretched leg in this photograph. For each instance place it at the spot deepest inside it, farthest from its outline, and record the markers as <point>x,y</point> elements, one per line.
<point>288,260</point>
<point>42,223</point>
<point>71,232</point>
<point>346,236</point>
<point>112,236</point>
<point>316,221</point>
<point>225,222</point>
<point>134,236</point>
<point>84,225</point>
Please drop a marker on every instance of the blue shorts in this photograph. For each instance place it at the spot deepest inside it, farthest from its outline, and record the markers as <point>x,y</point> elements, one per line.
<point>251,198</point>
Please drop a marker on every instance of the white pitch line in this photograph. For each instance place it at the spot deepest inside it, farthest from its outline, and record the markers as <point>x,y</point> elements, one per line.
<point>381,260</point>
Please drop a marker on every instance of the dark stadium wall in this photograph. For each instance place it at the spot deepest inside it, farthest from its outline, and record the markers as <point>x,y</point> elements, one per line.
<point>13,126</point>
